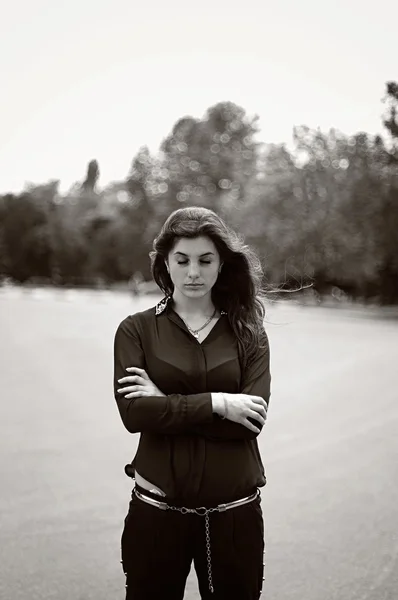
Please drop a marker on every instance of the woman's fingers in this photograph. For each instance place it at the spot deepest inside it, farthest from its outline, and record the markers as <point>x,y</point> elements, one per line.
<point>135,395</point>
<point>259,408</point>
<point>132,379</point>
<point>256,416</point>
<point>260,401</point>
<point>141,372</point>
<point>250,426</point>
<point>131,389</point>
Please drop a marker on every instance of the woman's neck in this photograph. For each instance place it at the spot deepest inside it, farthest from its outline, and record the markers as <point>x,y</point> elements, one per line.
<point>194,307</point>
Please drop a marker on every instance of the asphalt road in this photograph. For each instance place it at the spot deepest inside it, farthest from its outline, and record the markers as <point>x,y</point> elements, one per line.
<point>330,447</point>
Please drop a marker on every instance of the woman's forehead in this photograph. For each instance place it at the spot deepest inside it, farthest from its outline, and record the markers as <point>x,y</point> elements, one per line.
<point>194,246</point>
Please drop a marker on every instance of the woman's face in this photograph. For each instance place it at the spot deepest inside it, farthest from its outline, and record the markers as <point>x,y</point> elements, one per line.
<point>193,265</point>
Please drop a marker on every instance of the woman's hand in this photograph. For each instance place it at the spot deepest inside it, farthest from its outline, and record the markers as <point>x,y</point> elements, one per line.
<point>139,384</point>
<point>240,408</point>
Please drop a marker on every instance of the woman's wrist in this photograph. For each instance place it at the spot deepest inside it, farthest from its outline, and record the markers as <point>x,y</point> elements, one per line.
<point>225,416</point>
<point>218,403</point>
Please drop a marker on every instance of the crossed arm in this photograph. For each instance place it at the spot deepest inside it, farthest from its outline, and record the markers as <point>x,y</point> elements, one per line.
<point>143,407</point>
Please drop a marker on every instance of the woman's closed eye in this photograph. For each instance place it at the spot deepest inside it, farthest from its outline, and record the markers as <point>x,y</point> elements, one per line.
<point>203,262</point>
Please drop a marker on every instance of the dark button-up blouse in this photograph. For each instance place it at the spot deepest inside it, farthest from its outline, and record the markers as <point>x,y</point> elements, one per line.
<point>184,448</point>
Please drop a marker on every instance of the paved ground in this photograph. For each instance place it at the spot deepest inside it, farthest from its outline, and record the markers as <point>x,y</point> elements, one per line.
<point>330,447</point>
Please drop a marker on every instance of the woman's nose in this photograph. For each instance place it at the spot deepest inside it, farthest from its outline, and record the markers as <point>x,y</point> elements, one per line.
<point>193,270</point>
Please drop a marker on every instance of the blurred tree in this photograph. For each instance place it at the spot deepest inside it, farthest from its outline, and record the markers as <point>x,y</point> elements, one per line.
<point>92,176</point>
<point>175,174</point>
<point>135,216</point>
<point>391,118</point>
<point>70,247</point>
<point>25,238</point>
<point>139,177</point>
<point>341,180</point>
<point>326,212</point>
<point>386,226</point>
<point>271,219</point>
<point>232,160</point>
<point>3,250</point>
<point>210,161</point>
<point>105,256</point>
<point>388,214</point>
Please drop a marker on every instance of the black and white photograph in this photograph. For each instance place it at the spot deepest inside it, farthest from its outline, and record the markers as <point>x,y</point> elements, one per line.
<point>198,300</point>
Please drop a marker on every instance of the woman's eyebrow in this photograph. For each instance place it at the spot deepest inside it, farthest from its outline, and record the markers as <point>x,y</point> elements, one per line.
<point>204,254</point>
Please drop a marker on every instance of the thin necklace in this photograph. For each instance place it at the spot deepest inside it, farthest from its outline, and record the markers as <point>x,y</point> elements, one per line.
<point>195,332</point>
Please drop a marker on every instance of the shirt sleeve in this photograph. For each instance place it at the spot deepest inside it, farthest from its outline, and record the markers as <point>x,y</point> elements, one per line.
<point>256,380</point>
<point>171,414</point>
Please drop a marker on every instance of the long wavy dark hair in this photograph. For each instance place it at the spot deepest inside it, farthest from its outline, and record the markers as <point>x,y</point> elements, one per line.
<point>238,288</point>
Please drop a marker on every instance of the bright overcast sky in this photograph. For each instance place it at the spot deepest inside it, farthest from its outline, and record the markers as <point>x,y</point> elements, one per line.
<point>85,79</point>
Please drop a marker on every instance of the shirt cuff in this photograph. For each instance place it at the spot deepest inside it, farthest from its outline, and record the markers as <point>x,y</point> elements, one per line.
<point>199,408</point>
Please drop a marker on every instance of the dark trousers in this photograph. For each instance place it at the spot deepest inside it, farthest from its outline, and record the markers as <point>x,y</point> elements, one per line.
<point>159,546</point>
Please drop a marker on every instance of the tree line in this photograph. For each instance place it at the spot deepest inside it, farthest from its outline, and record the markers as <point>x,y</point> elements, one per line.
<point>324,213</point>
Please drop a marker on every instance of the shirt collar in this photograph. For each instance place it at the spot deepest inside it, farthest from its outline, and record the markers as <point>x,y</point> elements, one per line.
<point>162,305</point>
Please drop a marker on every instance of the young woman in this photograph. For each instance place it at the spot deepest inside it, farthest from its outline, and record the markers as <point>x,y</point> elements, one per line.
<point>191,375</point>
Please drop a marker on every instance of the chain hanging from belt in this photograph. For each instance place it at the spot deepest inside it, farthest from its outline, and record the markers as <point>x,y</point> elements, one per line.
<point>201,512</point>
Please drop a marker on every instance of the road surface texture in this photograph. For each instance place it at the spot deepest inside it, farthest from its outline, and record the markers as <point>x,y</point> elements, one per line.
<point>330,447</point>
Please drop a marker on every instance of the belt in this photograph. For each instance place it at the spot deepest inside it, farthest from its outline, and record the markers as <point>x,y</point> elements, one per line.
<point>202,511</point>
